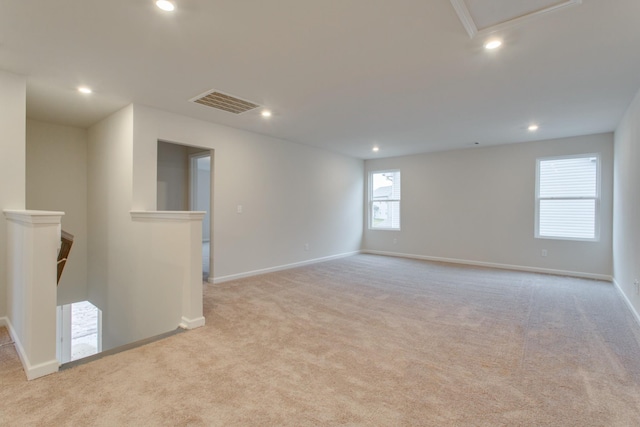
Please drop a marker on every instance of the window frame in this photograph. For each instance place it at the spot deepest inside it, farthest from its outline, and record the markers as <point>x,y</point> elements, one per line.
<point>596,198</point>
<point>371,201</point>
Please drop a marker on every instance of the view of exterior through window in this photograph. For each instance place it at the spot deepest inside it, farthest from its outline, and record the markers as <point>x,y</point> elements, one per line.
<point>384,200</point>
<point>568,197</point>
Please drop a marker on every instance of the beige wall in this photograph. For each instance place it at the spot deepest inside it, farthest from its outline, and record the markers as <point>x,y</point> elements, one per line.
<point>291,194</point>
<point>477,205</point>
<point>173,177</point>
<point>57,181</point>
<point>12,162</point>
<point>626,207</point>
<point>111,254</point>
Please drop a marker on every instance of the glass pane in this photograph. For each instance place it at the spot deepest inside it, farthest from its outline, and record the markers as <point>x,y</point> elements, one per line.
<point>569,177</point>
<point>385,214</point>
<point>568,218</point>
<point>385,185</point>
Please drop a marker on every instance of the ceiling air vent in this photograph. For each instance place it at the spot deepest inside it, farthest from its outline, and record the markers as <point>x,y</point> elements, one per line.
<point>224,102</point>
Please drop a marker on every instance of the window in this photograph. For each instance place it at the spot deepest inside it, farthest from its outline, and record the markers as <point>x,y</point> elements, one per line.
<point>568,197</point>
<point>384,200</point>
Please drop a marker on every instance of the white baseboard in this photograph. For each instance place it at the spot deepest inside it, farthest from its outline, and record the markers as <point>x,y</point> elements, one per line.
<point>495,265</point>
<point>192,323</point>
<point>627,301</point>
<point>32,371</point>
<point>230,277</point>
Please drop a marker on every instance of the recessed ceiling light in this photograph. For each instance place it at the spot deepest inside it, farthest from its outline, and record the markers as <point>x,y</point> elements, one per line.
<point>266,113</point>
<point>375,149</point>
<point>533,128</point>
<point>84,89</point>
<point>493,44</point>
<point>166,5</point>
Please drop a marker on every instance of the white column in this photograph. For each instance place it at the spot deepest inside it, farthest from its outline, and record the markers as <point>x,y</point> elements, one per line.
<point>32,252</point>
<point>183,250</point>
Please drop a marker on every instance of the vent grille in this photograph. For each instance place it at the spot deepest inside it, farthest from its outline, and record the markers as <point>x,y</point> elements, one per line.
<point>224,102</point>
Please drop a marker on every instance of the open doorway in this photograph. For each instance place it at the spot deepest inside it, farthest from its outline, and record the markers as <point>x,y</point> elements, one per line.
<point>200,200</point>
<point>185,183</point>
<point>79,331</point>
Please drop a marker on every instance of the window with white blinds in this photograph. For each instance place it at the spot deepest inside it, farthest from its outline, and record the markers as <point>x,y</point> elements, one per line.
<point>384,200</point>
<point>568,197</point>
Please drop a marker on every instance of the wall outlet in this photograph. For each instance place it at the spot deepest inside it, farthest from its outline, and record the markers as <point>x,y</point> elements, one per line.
<point>306,246</point>
<point>544,252</point>
<point>239,209</point>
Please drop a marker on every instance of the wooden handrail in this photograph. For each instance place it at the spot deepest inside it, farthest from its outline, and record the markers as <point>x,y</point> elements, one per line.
<point>65,248</point>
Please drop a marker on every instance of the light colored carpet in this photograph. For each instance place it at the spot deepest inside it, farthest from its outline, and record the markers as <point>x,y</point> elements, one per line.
<point>365,340</point>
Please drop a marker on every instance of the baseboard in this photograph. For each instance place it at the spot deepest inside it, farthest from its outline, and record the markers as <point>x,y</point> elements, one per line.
<point>627,301</point>
<point>32,371</point>
<point>192,323</point>
<point>230,277</point>
<point>495,265</point>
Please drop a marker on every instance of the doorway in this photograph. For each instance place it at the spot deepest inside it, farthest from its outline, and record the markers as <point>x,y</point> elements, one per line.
<point>79,331</point>
<point>185,183</point>
<point>200,200</point>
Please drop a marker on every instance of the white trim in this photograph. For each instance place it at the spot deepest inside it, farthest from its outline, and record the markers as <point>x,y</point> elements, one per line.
<point>230,277</point>
<point>469,24</point>
<point>495,265</point>
<point>33,217</point>
<point>167,215</point>
<point>32,372</point>
<point>626,299</point>
<point>192,323</point>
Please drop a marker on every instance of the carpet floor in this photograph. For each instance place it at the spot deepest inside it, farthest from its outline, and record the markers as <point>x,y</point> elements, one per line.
<point>363,341</point>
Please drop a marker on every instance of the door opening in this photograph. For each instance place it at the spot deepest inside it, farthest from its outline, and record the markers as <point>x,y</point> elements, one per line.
<point>200,200</point>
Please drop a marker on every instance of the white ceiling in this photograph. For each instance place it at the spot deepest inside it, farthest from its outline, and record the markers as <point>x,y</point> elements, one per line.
<point>340,74</point>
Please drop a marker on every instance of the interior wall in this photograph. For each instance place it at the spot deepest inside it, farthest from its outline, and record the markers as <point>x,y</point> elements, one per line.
<point>12,162</point>
<point>626,208</point>
<point>173,177</point>
<point>203,193</point>
<point>477,205</point>
<point>110,254</point>
<point>291,194</point>
<point>56,180</point>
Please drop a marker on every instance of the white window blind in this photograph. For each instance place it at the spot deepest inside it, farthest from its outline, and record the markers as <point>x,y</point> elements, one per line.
<point>568,197</point>
<point>384,200</point>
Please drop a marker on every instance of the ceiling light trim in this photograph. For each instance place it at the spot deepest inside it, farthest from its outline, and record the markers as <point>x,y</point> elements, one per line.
<point>470,26</point>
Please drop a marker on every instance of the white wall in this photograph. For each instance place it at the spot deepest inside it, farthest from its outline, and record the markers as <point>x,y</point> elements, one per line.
<point>57,181</point>
<point>111,262</point>
<point>173,177</point>
<point>477,205</point>
<point>626,207</point>
<point>291,194</point>
<point>12,161</point>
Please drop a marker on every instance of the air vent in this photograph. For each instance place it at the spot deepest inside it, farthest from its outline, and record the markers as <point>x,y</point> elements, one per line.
<point>224,102</point>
